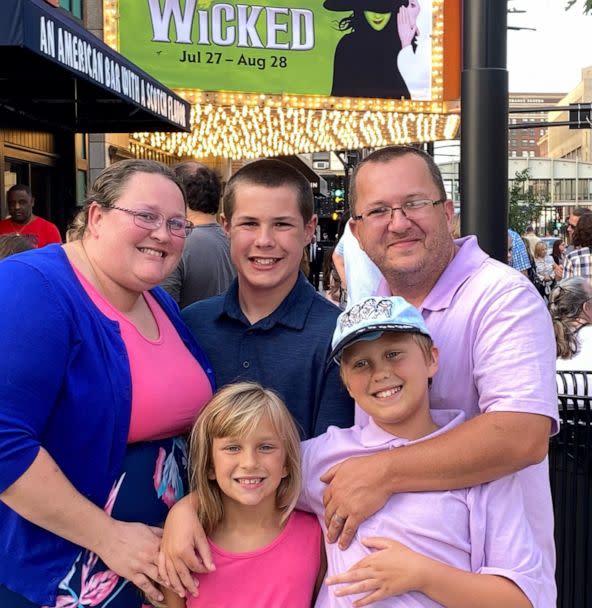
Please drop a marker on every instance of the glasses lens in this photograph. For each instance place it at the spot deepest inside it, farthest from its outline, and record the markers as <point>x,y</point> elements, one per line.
<point>179,227</point>
<point>147,219</point>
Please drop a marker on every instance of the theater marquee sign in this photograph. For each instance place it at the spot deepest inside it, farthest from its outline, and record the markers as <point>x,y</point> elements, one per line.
<point>330,48</point>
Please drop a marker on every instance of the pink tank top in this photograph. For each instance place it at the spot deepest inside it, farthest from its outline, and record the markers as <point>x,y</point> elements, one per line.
<point>280,575</point>
<point>169,387</point>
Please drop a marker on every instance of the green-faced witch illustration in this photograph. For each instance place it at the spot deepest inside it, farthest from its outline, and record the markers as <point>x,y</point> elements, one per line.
<point>365,63</point>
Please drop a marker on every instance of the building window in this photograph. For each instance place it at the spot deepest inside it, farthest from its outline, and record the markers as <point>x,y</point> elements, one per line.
<point>72,6</point>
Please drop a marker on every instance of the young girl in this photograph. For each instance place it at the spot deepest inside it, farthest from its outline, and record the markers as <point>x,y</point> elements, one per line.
<point>245,467</point>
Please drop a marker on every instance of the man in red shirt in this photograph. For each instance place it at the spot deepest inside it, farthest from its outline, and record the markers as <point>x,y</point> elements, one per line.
<point>22,221</point>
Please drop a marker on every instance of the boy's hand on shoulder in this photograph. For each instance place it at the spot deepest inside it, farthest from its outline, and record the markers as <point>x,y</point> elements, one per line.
<point>184,549</point>
<point>357,488</point>
<point>393,569</point>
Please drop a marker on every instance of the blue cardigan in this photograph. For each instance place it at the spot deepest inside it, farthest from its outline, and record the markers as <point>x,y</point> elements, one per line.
<point>65,385</point>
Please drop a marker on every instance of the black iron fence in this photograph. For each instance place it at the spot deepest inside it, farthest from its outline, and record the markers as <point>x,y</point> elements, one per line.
<point>570,455</point>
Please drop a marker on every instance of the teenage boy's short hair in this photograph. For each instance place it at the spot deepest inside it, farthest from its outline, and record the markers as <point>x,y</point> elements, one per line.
<point>270,173</point>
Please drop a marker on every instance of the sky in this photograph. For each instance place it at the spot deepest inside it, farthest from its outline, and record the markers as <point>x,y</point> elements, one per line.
<point>551,58</point>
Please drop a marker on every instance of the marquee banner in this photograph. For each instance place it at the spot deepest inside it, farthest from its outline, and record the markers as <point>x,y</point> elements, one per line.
<point>346,48</point>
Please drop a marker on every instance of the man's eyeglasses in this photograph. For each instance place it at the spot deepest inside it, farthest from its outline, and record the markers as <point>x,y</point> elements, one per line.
<point>413,210</point>
<point>571,226</point>
<point>151,220</point>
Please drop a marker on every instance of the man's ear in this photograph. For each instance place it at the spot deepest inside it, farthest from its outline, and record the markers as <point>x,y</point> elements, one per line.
<point>354,226</point>
<point>309,229</point>
<point>449,211</point>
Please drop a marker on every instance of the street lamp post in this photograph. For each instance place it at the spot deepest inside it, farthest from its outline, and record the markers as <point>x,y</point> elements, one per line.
<point>484,125</point>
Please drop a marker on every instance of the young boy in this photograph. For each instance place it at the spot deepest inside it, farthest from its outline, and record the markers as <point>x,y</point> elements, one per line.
<point>271,326</point>
<point>465,547</point>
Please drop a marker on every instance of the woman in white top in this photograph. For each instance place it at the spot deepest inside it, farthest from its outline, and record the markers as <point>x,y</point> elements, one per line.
<point>570,305</point>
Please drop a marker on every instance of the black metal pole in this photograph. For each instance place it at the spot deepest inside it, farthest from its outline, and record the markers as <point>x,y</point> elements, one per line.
<point>484,125</point>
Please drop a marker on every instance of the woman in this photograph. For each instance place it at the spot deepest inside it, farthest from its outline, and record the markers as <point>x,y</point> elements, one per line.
<point>544,269</point>
<point>558,255</point>
<point>365,62</point>
<point>101,381</point>
<point>578,263</point>
<point>570,305</point>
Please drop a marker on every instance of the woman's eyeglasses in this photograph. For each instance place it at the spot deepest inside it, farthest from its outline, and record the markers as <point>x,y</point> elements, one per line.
<point>151,220</point>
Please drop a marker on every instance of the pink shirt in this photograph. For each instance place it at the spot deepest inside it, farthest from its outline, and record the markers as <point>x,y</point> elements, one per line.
<point>481,529</point>
<point>169,387</point>
<point>497,354</point>
<point>280,575</point>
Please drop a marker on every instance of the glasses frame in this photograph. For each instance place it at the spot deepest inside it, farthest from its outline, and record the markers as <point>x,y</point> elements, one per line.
<point>159,221</point>
<point>400,208</point>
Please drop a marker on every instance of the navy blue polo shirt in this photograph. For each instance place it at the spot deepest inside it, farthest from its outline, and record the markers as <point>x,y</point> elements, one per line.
<point>286,351</point>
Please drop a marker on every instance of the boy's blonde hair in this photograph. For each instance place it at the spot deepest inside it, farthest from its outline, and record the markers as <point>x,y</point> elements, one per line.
<point>235,411</point>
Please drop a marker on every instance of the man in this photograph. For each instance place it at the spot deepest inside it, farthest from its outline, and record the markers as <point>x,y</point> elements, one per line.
<point>315,261</point>
<point>532,239</point>
<point>517,254</point>
<point>497,352</point>
<point>22,221</point>
<point>271,326</point>
<point>205,268</point>
<point>355,269</point>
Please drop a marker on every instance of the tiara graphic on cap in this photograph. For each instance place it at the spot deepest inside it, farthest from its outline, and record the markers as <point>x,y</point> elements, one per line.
<point>371,317</point>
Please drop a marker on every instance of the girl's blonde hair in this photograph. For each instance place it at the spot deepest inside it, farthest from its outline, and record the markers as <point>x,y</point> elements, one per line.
<point>235,411</point>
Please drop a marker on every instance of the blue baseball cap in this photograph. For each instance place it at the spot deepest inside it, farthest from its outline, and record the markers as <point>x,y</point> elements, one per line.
<point>369,318</point>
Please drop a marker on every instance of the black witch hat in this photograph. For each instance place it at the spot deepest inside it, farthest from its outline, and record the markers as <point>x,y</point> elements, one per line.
<point>376,6</point>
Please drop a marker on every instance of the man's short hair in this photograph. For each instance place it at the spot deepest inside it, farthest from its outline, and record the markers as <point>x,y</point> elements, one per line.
<point>19,188</point>
<point>579,211</point>
<point>202,186</point>
<point>271,173</point>
<point>384,155</point>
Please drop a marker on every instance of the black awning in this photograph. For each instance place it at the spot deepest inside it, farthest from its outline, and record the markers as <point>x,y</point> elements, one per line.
<point>56,74</point>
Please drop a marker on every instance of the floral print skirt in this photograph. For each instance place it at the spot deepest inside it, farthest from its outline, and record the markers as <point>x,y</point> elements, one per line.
<point>153,478</point>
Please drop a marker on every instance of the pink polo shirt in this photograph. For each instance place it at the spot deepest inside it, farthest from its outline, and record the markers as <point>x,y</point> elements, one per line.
<point>497,353</point>
<point>481,529</point>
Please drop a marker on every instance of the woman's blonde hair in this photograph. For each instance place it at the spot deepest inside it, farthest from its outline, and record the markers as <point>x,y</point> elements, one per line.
<point>235,411</point>
<point>566,302</point>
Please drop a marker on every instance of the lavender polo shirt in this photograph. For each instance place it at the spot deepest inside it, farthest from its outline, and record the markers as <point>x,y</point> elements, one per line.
<point>480,529</point>
<point>497,354</point>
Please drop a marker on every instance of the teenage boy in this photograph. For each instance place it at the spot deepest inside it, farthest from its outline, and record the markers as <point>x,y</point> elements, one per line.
<point>271,326</point>
<point>464,547</point>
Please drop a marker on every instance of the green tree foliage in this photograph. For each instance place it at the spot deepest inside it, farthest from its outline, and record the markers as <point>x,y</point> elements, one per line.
<point>524,207</point>
<point>587,5</point>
